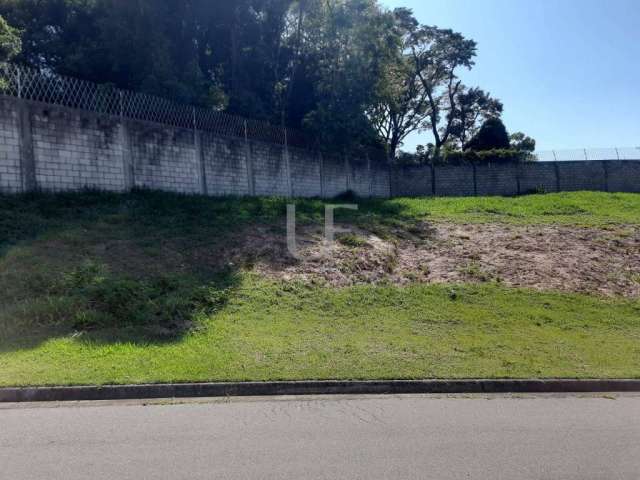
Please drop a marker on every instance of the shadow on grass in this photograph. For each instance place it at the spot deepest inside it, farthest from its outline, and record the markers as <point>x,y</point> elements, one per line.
<point>28,216</point>
<point>141,268</point>
<point>102,310</point>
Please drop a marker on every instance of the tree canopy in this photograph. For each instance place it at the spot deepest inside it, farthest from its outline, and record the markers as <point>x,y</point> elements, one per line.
<point>492,135</point>
<point>350,72</point>
<point>10,42</point>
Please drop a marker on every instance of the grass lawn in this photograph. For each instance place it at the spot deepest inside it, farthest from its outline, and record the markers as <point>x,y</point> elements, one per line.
<point>576,208</point>
<point>268,331</point>
<point>98,288</point>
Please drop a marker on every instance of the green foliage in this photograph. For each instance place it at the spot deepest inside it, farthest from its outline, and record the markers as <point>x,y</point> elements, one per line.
<point>485,156</point>
<point>522,143</point>
<point>342,57</point>
<point>352,240</point>
<point>95,298</point>
<point>458,157</point>
<point>350,72</point>
<point>311,64</point>
<point>472,107</point>
<point>491,136</point>
<point>168,301</point>
<point>10,42</point>
<point>400,105</point>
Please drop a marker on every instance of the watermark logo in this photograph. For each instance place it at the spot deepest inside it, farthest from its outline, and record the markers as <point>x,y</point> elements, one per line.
<point>330,228</point>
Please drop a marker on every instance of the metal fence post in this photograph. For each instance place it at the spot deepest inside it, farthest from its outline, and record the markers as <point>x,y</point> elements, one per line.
<point>321,162</point>
<point>586,157</point>
<point>128,167</point>
<point>617,153</point>
<point>347,171</point>
<point>287,161</point>
<point>27,152</point>
<point>198,153</point>
<point>251,185</point>
<point>369,174</point>
<point>19,80</point>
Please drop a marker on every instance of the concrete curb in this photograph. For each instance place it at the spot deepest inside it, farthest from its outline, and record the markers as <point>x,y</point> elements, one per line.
<point>194,390</point>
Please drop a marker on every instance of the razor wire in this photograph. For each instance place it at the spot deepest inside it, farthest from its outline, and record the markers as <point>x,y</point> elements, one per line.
<point>587,154</point>
<point>47,87</point>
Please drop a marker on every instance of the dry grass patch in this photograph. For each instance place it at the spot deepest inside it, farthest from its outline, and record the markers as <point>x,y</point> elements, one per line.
<point>573,259</point>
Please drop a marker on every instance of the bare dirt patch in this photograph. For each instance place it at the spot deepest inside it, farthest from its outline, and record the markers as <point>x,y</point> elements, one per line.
<point>604,261</point>
<point>591,260</point>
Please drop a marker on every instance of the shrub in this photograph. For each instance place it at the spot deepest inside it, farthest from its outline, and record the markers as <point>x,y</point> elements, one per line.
<point>491,136</point>
<point>349,196</point>
<point>488,156</point>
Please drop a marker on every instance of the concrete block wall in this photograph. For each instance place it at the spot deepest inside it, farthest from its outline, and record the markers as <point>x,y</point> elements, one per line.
<point>334,175</point>
<point>225,165</point>
<point>623,176</point>
<point>575,176</point>
<point>412,181</point>
<point>164,158</point>
<point>73,151</point>
<point>359,175</point>
<point>381,181</point>
<point>305,173</point>
<point>56,148</point>
<point>10,169</point>
<point>453,180</point>
<point>270,166</point>
<point>496,180</point>
<point>538,177</point>
<point>510,179</point>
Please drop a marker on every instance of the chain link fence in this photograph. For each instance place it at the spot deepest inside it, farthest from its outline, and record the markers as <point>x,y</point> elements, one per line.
<point>582,154</point>
<point>44,86</point>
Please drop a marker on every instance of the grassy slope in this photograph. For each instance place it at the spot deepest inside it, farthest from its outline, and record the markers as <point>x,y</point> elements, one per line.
<point>269,331</point>
<point>579,208</point>
<point>124,268</point>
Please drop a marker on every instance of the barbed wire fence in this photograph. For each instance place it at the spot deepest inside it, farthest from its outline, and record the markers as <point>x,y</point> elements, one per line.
<point>587,154</point>
<point>44,86</point>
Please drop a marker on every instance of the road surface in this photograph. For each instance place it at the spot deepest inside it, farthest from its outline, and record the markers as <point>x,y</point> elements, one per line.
<point>412,437</point>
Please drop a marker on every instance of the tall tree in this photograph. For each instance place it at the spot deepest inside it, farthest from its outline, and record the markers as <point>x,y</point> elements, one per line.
<point>349,71</point>
<point>344,44</point>
<point>492,135</point>
<point>439,54</point>
<point>473,107</point>
<point>401,100</point>
<point>420,89</point>
<point>522,142</point>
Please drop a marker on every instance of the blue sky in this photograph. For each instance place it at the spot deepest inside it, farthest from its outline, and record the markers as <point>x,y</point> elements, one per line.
<point>568,71</point>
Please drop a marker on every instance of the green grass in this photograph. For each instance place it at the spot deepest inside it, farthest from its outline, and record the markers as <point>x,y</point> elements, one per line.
<point>273,331</point>
<point>577,208</point>
<point>106,288</point>
<point>352,240</point>
<point>162,214</point>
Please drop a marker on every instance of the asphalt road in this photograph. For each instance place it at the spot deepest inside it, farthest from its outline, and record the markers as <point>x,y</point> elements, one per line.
<point>413,437</point>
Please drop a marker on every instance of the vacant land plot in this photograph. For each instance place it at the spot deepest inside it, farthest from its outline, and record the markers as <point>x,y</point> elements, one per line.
<point>151,287</point>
